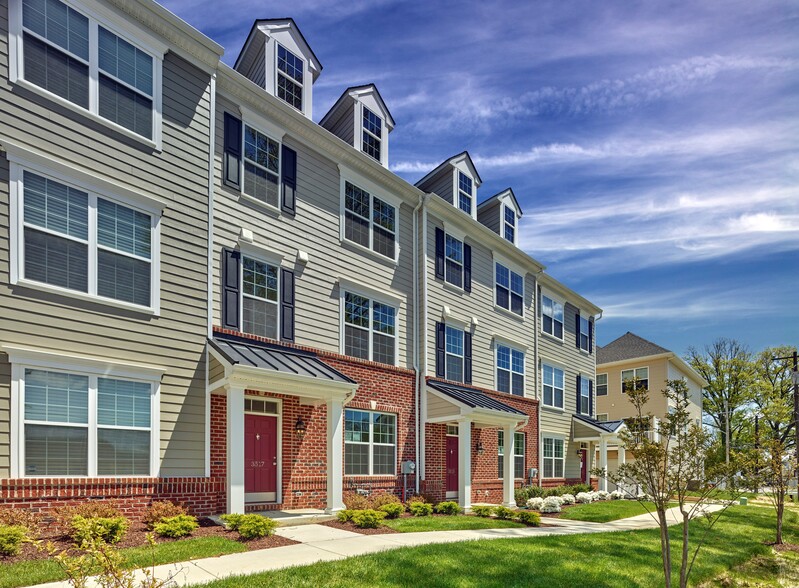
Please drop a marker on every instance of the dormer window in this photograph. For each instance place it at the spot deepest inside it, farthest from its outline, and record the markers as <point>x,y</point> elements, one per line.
<point>372,135</point>
<point>465,193</point>
<point>510,224</point>
<point>289,77</point>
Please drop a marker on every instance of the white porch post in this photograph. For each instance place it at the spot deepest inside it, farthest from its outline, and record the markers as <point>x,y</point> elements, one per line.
<point>603,461</point>
<point>235,449</point>
<point>335,458</point>
<point>465,465</point>
<point>508,494</point>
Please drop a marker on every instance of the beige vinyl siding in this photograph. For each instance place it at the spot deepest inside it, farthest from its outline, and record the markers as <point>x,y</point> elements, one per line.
<point>344,126</point>
<point>479,304</point>
<point>438,407</point>
<point>314,229</point>
<point>216,370</point>
<point>441,183</point>
<point>177,176</point>
<point>616,403</point>
<point>257,72</point>
<point>489,216</point>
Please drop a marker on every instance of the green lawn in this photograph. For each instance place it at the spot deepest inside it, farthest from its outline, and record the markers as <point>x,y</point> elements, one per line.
<point>607,560</point>
<point>448,523</point>
<point>604,511</point>
<point>27,573</point>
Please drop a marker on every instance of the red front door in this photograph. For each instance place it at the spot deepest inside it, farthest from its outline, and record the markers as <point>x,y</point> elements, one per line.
<point>452,464</point>
<point>260,457</point>
<point>584,465</point>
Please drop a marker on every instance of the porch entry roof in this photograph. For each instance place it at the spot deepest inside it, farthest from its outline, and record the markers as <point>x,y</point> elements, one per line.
<point>585,428</point>
<point>275,368</point>
<point>452,402</point>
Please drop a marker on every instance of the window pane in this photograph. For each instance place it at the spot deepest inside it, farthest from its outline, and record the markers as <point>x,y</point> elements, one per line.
<point>123,278</point>
<point>125,107</point>
<point>59,24</point>
<point>454,340</point>
<point>356,459</point>
<point>454,368</point>
<point>56,261</point>
<point>384,318</point>
<point>356,342</point>
<point>123,228</point>
<point>503,276</point>
<point>289,63</point>
<point>55,206</point>
<point>260,184</point>
<point>503,297</point>
<point>510,216</point>
<point>123,453</point>
<point>384,428</point>
<point>289,91</point>
<point>384,243</point>
<point>454,273</point>
<point>516,283</point>
<point>518,361</point>
<point>371,146</point>
<point>383,459</point>
<point>123,403</point>
<point>516,304</point>
<point>371,122</point>
<point>454,249</point>
<point>384,349</point>
<point>503,380</point>
<point>125,62</point>
<point>260,317</point>
<point>356,229</point>
<point>56,451</point>
<point>260,149</point>
<point>518,385</point>
<point>259,279</point>
<point>56,397</point>
<point>356,200</point>
<point>503,357</point>
<point>356,426</point>
<point>356,310</point>
<point>510,233</point>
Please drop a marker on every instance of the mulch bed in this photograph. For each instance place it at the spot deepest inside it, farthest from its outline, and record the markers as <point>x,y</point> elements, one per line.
<point>350,527</point>
<point>785,547</point>
<point>137,537</point>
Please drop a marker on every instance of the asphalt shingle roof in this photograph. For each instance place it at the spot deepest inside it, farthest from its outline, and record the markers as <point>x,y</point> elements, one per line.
<point>628,346</point>
<point>471,397</point>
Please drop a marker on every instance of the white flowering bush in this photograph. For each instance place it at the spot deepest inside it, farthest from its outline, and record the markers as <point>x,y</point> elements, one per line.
<point>584,498</point>
<point>535,503</point>
<point>568,499</point>
<point>602,495</point>
<point>616,495</point>
<point>551,504</point>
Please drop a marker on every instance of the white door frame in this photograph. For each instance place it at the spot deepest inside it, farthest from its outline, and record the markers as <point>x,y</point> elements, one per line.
<point>259,497</point>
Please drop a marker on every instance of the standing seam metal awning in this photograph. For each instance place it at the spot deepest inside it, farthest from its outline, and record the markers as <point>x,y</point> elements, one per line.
<point>473,398</point>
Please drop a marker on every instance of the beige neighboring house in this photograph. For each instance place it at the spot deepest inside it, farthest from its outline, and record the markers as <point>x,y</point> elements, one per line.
<point>626,358</point>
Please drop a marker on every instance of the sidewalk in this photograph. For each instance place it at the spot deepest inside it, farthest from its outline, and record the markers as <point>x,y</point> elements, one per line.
<point>321,543</point>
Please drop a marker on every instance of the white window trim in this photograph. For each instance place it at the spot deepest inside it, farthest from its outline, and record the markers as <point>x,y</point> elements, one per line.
<point>352,288</point>
<point>563,395</point>
<point>510,269</point>
<point>272,132</point>
<point>17,238</point>
<point>348,175</point>
<point>579,328</point>
<point>497,344</point>
<point>585,381</point>
<point>633,370</point>
<point>371,443</point>
<point>360,129</point>
<point>456,199</point>
<point>305,74</point>
<point>602,414</point>
<point>123,28</point>
<point>560,301</point>
<point>503,223</point>
<point>515,455</point>
<point>554,437</point>
<point>269,260</point>
<point>450,325</point>
<point>596,384</point>
<point>32,358</point>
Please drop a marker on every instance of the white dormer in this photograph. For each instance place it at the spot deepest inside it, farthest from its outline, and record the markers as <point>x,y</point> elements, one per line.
<point>277,57</point>
<point>456,180</point>
<point>361,118</point>
<point>501,213</point>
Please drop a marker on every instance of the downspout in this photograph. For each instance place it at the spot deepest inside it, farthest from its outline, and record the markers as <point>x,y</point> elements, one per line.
<point>593,453</point>
<point>417,386</point>
<point>420,466</point>
<point>537,371</point>
<point>209,268</point>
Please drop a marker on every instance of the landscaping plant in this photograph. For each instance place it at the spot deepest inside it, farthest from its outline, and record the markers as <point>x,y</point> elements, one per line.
<point>504,513</point>
<point>368,518</point>
<point>160,510</point>
<point>20,517</point>
<point>535,503</point>
<point>448,507</point>
<point>355,501</point>
<point>393,510</point>
<point>86,530</point>
<point>178,526</point>
<point>483,510</point>
<point>11,538</point>
<point>529,518</point>
<point>385,498</point>
<point>568,498</point>
<point>249,526</point>
<point>420,509</point>
<point>551,504</point>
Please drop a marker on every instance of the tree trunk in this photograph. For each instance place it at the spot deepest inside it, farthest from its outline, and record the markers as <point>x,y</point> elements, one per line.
<point>684,562</point>
<point>665,546</point>
<point>780,512</point>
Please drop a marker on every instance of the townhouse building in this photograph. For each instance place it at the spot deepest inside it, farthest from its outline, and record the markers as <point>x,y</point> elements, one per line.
<point>246,309</point>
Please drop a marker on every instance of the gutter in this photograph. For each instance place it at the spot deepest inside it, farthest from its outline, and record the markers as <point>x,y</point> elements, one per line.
<point>209,269</point>
<point>418,381</point>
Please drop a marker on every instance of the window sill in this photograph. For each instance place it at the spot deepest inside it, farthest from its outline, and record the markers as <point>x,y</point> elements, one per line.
<point>151,311</point>
<point>453,288</point>
<point>510,313</point>
<point>551,337</point>
<point>153,144</point>
<point>259,203</point>
<point>585,352</point>
<point>357,248</point>
<point>557,409</point>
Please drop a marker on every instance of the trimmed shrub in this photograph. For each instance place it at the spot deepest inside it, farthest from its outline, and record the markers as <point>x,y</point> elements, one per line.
<point>345,516</point>
<point>525,493</point>
<point>393,510</point>
<point>448,507</point>
<point>602,495</point>
<point>355,501</point>
<point>568,499</point>
<point>160,510</point>
<point>551,504</point>
<point>107,529</point>
<point>249,526</point>
<point>383,499</point>
<point>529,518</point>
<point>178,526</point>
<point>11,538</point>
<point>92,509</point>
<point>504,513</point>
<point>367,519</point>
<point>616,495</point>
<point>483,510</point>
<point>20,517</point>
<point>535,503</point>
<point>577,488</point>
<point>583,498</point>
<point>420,509</point>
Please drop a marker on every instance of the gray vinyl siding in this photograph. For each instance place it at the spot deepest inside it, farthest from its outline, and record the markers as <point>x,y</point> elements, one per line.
<point>177,176</point>
<point>344,126</point>
<point>489,216</point>
<point>440,184</point>
<point>216,370</point>
<point>257,72</point>
<point>565,355</point>
<point>479,303</point>
<point>314,229</point>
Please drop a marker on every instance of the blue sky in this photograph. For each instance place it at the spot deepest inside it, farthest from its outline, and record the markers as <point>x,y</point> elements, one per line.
<point>653,146</point>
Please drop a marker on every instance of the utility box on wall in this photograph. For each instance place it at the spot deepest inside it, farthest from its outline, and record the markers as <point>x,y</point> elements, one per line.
<point>407,467</point>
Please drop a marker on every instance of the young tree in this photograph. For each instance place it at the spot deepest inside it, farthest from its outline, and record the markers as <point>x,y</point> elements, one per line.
<point>670,460</point>
<point>774,393</point>
<point>726,365</point>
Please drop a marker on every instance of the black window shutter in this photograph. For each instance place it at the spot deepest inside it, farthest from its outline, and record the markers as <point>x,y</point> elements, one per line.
<point>287,305</point>
<point>577,328</point>
<point>579,395</point>
<point>467,268</point>
<point>467,357</point>
<point>231,278</point>
<point>231,162</point>
<point>439,253</point>
<point>590,398</point>
<point>288,169</point>
<point>590,336</point>
<point>441,356</point>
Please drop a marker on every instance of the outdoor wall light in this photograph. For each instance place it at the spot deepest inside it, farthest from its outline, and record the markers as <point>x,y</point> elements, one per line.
<point>479,447</point>
<point>300,428</point>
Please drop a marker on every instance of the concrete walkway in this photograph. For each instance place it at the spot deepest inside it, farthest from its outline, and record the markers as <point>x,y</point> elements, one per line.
<point>321,543</point>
